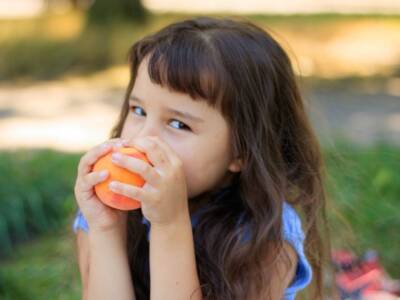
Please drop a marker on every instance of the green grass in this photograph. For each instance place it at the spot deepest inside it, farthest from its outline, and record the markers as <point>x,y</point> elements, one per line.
<point>35,194</point>
<point>45,268</point>
<point>363,184</point>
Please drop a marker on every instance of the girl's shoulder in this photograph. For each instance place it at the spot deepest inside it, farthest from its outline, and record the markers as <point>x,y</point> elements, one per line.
<point>291,224</point>
<point>293,233</point>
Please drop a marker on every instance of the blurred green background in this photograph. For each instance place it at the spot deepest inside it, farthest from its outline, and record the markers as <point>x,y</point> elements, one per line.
<point>70,58</point>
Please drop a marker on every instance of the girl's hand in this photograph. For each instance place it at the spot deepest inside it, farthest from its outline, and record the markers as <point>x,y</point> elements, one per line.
<point>163,197</point>
<point>99,216</point>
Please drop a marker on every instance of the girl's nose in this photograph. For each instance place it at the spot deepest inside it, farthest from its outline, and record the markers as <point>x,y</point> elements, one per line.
<point>150,128</point>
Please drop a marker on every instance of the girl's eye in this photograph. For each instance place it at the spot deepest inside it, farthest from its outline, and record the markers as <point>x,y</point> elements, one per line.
<point>133,108</point>
<point>180,125</point>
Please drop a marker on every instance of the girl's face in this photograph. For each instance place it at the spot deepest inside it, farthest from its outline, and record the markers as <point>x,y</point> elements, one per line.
<point>197,133</point>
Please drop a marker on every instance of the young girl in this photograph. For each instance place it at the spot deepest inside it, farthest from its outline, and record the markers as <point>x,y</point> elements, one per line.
<point>214,105</point>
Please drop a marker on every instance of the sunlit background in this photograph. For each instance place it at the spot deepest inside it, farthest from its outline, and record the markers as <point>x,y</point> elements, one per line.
<point>63,73</point>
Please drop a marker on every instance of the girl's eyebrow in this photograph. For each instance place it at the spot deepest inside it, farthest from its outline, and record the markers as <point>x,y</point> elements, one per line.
<point>171,110</point>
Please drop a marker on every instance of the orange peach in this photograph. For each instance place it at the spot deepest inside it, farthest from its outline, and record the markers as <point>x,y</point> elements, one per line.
<point>120,174</point>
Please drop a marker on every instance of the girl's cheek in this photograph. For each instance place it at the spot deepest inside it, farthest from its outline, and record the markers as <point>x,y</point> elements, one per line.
<point>130,129</point>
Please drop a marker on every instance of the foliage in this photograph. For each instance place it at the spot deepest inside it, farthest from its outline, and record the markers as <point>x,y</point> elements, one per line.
<point>45,268</point>
<point>104,12</point>
<point>35,194</point>
<point>364,187</point>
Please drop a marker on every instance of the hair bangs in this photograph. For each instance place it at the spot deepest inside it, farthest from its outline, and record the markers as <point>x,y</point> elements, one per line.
<point>189,65</point>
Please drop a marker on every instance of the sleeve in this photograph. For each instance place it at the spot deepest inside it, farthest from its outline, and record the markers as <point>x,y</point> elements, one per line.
<point>293,233</point>
<point>80,222</point>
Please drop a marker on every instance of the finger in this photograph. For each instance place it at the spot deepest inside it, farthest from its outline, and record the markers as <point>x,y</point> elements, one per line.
<point>87,161</point>
<point>118,143</point>
<point>127,190</point>
<point>136,165</point>
<point>91,157</point>
<point>172,157</point>
<point>91,179</point>
<point>153,151</point>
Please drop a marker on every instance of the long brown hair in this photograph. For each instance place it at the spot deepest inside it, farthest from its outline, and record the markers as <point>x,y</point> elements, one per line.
<point>240,69</point>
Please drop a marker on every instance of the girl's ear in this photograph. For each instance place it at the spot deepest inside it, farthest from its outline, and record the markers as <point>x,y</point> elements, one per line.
<point>236,165</point>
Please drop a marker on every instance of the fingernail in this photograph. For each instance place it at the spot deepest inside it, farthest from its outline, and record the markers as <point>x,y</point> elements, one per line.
<point>112,184</point>
<point>116,156</point>
<point>103,174</point>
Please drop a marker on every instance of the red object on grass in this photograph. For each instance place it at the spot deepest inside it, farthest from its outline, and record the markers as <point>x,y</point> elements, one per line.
<point>355,276</point>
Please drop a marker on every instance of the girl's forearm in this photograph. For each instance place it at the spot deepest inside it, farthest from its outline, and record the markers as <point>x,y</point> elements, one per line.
<point>173,274</point>
<point>109,274</point>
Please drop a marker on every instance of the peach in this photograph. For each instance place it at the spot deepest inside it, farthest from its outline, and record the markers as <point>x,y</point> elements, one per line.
<point>120,174</point>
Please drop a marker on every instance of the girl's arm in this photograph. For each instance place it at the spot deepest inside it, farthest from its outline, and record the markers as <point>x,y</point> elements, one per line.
<point>82,248</point>
<point>173,274</point>
<point>109,274</point>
